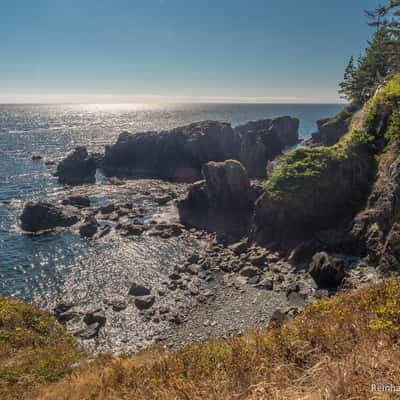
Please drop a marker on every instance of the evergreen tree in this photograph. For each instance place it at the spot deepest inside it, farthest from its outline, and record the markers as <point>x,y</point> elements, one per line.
<point>347,85</point>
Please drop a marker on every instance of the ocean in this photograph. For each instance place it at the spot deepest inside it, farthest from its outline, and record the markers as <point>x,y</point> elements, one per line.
<point>43,269</point>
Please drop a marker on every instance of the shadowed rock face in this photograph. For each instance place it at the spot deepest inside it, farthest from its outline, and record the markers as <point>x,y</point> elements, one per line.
<point>375,228</point>
<point>177,154</point>
<point>222,202</point>
<point>264,140</point>
<point>77,168</point>
<point>42,216</point>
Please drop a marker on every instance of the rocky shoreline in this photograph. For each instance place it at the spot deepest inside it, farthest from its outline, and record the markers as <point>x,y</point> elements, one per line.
<point>255,260</point>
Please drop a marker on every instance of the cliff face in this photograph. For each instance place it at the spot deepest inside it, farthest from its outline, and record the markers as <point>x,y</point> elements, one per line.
<point>342,186</point>
<point>375,230</point>
<point>331,130</point>
<point>315,188</point>
<point>262,141</point>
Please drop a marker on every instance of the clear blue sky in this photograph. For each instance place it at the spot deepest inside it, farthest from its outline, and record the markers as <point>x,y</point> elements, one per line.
<point>178,49</point>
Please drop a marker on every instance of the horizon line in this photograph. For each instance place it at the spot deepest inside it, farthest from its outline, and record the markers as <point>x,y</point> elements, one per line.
<point>11,99</point>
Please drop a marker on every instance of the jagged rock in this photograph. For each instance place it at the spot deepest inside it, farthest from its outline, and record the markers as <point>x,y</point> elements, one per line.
<point>36,157</point>
<point>138,290</point>
<point>222,202</point>
<point>89,227</point>
<point>39,216</point>
<point>77,201</point>
<point>372,226</point>
<point>262,141</point>
<point>327,271</point>
<point>77,168</point>
<point>144,302</point>
<point>228,185</point>
<point>177,154</point>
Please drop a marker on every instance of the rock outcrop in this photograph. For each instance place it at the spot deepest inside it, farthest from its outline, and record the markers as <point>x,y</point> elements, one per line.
<point>327,271</point>
<point>77,168</point>
<point>331,130</point>
<point>40,216</point>
<point>374,228</point>
<point>311,190</point>
<point>177,154</point>
<point>262,141</point>
<point>222,202</point>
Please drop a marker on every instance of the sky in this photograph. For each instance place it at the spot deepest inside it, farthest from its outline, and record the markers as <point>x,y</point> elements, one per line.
<point>178,50</point>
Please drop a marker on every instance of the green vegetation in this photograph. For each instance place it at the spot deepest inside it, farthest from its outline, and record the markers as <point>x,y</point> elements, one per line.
<point>381,58</point>
<point>306,170</point>
<point>311,170</point>
<point>335,349</point>
<point>34,348</point>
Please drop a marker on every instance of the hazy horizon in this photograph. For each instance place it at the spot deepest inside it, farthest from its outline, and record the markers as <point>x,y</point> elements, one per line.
<point>178,51</point>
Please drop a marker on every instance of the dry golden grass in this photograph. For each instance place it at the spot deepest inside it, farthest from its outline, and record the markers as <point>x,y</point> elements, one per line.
<point>335,350</point>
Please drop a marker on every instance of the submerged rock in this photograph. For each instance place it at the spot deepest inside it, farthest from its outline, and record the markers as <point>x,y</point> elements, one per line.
<point>77,168</point>
<point>39,216</point>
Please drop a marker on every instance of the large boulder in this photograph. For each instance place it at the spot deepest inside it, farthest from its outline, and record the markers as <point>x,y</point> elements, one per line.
<point>327,271</point>
<point>222,202</point>
<point>39,216</point>
<point>77,168</point>
<point>264,140</point>
<point>177,154</point>
<point>228,185</point>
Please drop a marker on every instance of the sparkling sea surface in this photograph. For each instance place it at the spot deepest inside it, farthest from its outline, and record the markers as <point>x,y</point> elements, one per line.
<point>42,269</point>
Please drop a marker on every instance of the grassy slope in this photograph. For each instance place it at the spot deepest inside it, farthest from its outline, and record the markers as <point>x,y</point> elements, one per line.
<point>335,350</point>
<point>34,349</point>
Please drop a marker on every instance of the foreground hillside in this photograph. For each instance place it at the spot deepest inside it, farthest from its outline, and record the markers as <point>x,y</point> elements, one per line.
<point>336,349</point>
